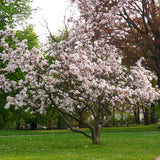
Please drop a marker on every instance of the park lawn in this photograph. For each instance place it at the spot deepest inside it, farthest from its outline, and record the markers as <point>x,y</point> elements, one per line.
<point>116,144</point>
<point>139,128</point>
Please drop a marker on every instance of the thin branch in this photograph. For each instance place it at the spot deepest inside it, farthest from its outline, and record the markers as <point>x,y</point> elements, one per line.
<point>130,21</point>
<point>50,32</point>
<point>65,25</point>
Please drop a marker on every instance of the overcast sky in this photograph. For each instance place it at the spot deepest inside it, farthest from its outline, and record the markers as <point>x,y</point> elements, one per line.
<point>53,12</point>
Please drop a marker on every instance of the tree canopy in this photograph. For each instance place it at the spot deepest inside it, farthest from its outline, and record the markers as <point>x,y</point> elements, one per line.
<point>14,12</point>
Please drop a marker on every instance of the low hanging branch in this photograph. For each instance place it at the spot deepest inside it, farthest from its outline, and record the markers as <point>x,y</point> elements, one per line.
<point>73,129</point>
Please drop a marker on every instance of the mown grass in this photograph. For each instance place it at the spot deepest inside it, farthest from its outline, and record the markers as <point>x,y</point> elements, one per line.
<point>126,143</point>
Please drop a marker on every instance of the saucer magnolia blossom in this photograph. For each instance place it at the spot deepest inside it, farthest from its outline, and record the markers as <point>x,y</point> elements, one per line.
<point>76,78</point>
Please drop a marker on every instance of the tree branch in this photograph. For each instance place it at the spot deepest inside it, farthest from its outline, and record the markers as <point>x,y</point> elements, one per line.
<point>50,32</point>
<point>105,123</point>
<point>130,21</point>
<point>73,129</point>
<point>67,113</point>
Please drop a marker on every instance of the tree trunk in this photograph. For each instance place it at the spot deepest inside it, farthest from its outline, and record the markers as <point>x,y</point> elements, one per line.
<point>96,135</point>
<point>146,119</point>
<point>96,140</point>
<point>158,70</point>
<point>80,125</point>
<point>121,117</point>
<point>18,124</point>
<point>113,116</point>
<point>59,122</point>
<point>137,115</point>
<point>153,120</point>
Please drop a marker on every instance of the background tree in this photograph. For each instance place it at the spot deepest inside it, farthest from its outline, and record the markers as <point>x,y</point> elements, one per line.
<point>7,116</point>
<point>28,33</point>
<point>137,26</point>
<point>14,12</point>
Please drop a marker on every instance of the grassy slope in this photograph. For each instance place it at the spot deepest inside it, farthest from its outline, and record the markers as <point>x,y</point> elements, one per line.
<point>117,144</point>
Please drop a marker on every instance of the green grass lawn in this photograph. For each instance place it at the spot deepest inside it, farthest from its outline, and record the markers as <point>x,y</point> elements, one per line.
<point>124,143</point>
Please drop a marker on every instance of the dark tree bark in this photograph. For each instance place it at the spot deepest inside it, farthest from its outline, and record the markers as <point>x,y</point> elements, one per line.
<point>96,135</point>
<point>153,119</point>
<point>18,124</point>
<point>137,115</point>
<point>146,119</point>
<point>113,116</point>
<point>59,122</point>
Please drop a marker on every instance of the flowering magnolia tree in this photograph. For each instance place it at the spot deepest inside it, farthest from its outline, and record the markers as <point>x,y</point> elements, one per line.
<point>79,77</point>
